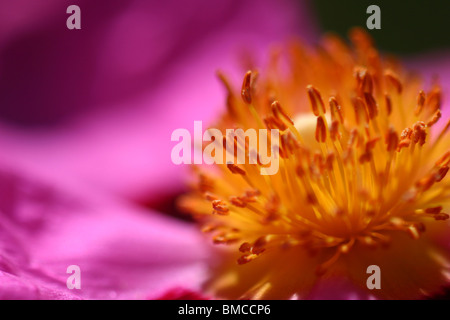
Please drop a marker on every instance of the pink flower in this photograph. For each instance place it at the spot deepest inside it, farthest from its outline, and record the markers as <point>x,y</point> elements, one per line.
<point>86,118</point>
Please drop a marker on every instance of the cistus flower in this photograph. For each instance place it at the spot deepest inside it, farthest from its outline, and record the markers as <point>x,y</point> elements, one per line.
<point>363,156</point>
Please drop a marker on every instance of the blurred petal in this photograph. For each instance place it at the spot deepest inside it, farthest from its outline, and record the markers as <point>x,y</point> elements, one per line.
<point>123,252</point>
<point>181,294</point>
<point>434,66</point>
<point>338,289</point>
<point>407,272</point>
<point>124,82</point>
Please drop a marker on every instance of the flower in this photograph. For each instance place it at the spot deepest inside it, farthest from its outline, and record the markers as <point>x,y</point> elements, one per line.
<point>363,156</point>
<point>69,189</point>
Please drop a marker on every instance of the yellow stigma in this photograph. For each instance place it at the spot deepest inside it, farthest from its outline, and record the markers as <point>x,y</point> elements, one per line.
<point>361,181</point>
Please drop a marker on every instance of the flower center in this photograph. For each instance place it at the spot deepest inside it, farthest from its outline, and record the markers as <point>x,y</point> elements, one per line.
<point>356,172</point>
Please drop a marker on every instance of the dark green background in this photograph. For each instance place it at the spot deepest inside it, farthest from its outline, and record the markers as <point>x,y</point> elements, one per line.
<point>407,26</point>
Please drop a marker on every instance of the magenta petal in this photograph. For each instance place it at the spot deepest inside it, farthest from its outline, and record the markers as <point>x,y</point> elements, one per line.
<point>21,288</point>
<point>179,293</point>
<point>19,279</point>
<point>338,288</point>
<point>154,72</point>
<point>435,66</point>
<point>123,252</point>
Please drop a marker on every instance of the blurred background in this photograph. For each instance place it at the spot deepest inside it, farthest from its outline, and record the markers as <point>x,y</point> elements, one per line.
<point>407,28</point>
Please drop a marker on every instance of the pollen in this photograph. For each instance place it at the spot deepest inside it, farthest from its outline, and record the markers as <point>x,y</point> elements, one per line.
<point>364,156</point>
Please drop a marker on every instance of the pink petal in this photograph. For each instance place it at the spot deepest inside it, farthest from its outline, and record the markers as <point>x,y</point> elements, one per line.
<point>181,294</point>
<point>140,72</point>
<point>123,252</point>
<point>338,288</point>
<point>434,65</point>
